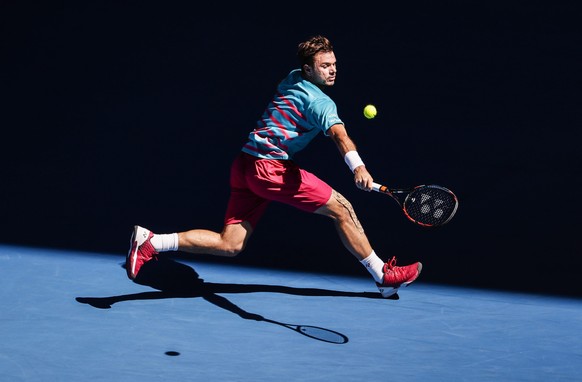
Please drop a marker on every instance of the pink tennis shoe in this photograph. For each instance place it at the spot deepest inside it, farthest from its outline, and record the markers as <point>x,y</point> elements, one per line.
<point>140,252</point>
<point>396,277</point>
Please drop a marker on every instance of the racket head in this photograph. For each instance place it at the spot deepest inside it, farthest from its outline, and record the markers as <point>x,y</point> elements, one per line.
<point>430,205</point>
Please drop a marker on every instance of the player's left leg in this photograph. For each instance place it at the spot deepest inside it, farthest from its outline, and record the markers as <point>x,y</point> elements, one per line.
<point>146,245</point>
<point>230,242</point>
<point>243,211</point>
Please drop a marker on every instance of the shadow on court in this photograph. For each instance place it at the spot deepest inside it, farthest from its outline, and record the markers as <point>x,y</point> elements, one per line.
<point>75,317</point>
<point>173,279</point>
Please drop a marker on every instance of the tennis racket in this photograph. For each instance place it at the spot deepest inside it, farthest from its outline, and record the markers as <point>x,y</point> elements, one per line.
<point>425,205</point>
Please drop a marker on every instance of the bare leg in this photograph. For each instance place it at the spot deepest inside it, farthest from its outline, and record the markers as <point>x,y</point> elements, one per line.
<point>347,224</point>
<point>230,242</point>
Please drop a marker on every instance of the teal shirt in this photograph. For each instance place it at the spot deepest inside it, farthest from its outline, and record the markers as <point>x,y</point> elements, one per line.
<point>298,112</point>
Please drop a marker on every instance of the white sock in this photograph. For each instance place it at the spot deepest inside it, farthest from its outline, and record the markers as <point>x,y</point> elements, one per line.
<point>165,242</point>
<point>374,265</point>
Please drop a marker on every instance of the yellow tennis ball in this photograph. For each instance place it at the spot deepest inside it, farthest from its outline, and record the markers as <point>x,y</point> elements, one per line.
<point>370,111</point>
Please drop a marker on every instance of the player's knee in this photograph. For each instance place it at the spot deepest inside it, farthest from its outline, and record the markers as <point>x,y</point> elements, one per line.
<point>344,209</point>
<point>338,208</point>
<point>346,212</point>
<point>233,239</point>
<point>233,249</point>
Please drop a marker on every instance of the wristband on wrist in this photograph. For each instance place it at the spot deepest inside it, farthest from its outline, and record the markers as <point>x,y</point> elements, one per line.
<point>353,160</point>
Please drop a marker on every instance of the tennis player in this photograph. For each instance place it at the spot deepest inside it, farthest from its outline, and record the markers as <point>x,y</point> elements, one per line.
<point>264,171</point>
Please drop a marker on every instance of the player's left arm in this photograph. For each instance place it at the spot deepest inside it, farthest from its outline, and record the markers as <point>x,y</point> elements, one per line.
<point>345,144</point>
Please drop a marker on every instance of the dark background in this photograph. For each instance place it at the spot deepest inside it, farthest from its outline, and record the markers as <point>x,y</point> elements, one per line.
<point>123,113</point>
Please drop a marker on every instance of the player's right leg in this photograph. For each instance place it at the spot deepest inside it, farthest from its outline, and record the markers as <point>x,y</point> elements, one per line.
<point>388,276</point>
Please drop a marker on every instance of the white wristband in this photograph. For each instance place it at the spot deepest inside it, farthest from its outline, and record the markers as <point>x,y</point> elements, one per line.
<point>353,160</point>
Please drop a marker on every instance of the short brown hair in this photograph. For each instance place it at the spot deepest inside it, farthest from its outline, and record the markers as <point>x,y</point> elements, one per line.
<point>308,49</point>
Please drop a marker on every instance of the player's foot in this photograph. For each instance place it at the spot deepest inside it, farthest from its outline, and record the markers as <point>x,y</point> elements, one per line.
<point>396,277</point>
<point>140,252</point>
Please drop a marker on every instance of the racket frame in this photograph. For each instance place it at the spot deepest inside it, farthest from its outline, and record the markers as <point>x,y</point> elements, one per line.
<point>393,192</point>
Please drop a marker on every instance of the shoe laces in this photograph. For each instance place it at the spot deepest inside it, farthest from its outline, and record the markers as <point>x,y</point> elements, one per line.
<point>391,263</point>
<point>395,270</point>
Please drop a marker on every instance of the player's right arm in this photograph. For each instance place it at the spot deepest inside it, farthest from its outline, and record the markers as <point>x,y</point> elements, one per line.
<point>345,145</point>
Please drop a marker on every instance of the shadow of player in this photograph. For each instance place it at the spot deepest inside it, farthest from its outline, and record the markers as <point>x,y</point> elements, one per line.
<point>173,279</point>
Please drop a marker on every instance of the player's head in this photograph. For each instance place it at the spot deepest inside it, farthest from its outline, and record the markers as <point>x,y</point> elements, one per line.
<point>317,59</point>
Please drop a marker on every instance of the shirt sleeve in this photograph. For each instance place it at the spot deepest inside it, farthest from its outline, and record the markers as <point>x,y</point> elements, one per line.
<point>324,114</point>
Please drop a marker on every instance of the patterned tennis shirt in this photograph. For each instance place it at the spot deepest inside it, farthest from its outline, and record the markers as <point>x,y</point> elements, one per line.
<point>298,112</point>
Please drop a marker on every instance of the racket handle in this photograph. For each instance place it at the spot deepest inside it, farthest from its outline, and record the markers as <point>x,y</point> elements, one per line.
<point>377,187</point>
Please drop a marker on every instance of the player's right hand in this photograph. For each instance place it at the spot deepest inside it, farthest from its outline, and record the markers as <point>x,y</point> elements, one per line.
<point>363,179</point>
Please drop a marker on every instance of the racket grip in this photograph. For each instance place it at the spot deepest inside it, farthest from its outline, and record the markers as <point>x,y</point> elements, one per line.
<point>380,188</point>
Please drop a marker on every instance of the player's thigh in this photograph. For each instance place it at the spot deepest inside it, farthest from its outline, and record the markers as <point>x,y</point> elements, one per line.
<point>285,182</point>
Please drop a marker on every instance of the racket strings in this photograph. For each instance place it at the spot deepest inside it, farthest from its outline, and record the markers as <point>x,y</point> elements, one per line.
<point>430,205</point>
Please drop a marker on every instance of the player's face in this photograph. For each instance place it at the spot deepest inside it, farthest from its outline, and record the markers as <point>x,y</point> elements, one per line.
<point>324,70</point>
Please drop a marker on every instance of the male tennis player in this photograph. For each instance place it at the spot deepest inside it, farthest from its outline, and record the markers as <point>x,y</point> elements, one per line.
<point>264,171</point>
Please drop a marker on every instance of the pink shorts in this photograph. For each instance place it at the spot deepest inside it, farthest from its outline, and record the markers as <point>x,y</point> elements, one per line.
<point>255,182</point>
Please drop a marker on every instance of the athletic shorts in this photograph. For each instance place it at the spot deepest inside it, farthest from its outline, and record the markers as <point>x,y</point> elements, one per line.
<point>255,182</point>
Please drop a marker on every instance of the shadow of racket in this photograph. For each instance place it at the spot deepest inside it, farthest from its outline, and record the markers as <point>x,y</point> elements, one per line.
<point>315,332</point>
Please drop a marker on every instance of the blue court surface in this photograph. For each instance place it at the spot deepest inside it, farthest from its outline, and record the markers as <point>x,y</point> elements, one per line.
<point>73,316</point>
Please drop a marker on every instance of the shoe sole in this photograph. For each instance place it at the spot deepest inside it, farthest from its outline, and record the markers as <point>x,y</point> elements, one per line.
<point>389,291</point>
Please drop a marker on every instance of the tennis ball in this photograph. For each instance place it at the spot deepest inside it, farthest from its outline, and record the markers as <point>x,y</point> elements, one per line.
<point>370,111</point>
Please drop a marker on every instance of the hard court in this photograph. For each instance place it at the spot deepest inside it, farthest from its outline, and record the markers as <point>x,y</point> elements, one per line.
<point>74,316</point>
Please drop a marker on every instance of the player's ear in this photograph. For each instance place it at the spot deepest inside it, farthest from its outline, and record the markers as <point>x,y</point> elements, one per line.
<point>307,68</point>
